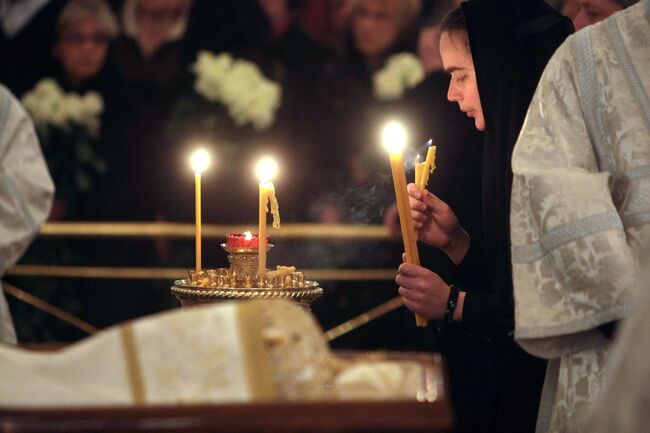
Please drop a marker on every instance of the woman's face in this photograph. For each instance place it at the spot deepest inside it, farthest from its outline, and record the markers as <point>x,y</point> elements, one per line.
<point>376,25</point>
<point>156,18</point>
<point>457,61</point>
<point>81,49</point>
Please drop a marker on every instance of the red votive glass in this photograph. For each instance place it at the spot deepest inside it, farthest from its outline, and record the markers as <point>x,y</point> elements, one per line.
<point>243,240</point>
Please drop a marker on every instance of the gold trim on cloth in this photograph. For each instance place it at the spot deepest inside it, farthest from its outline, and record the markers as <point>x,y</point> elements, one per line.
<point>133,364</point>
<point>258,362</point>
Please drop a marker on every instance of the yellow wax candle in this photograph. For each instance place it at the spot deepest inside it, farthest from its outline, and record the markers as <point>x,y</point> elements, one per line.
<point>419,168</point>
<point>266,170</point>
<point>199,160</point>
<point>404,209</point>
<point>197,186</point>
<point>394,139</point>
<point>264,198</point>
<point>429,167</point>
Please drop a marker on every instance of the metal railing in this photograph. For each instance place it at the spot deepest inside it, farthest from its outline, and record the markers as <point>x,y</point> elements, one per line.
<point>129,230</point>
<point>159,230</point>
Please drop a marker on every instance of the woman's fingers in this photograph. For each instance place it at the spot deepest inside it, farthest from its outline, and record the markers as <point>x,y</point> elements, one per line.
<point>414,191</point>
<point>434,203</point>
<point>411,270</point>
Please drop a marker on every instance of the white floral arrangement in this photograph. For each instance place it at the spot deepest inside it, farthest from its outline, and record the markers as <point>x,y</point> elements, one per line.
<point>49,105</point>
<point>402,71</point>
<point>238,84</point>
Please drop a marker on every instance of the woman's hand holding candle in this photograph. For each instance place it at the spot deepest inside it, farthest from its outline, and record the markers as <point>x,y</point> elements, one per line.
<point>437,224</point>
<point>425,293</point>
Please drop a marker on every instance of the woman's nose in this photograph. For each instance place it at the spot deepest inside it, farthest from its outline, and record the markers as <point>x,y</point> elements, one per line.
<point>453,94</point>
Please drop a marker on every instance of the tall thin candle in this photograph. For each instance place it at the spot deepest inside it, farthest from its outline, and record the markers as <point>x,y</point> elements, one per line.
<point>266,170</point>
<point>199,160</point>
<point>394,137</point>
<point>428,167</point>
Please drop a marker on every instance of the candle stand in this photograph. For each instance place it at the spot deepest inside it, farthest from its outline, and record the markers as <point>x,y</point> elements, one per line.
<point>240,281</point>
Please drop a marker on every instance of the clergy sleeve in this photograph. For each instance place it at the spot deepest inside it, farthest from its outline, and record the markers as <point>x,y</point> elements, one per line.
<point>570,258</point>
<point>26,189</point>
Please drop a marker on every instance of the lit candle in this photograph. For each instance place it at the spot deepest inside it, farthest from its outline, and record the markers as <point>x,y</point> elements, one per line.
<point>199,161</point>
<point>429,165</point>
<point>266,170</point>
<point>419,167</point>
<point>394,138</point>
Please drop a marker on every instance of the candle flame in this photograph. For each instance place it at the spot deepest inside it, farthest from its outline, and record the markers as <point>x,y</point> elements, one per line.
<point>429,143</point>
<point>394,137</point>
<point>200,160</point>
<point>266,169</point>
<point>248,235</point>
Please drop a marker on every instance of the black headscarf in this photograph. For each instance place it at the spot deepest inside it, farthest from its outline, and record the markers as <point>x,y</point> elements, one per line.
<point>511,41</point>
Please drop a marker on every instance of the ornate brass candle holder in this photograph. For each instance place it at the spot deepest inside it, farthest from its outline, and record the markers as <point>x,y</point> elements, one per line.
<point>241,282</point>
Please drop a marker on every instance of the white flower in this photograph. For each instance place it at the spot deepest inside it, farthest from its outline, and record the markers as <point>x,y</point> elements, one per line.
<point>387,85</point>
<point>74,108</point>
<point>49,105</point>
<point>408,66</point>
<point>240,86</point>
<point>211,71</point>
<point>402,71</point>
<point>266,103</point>
<point>93,103</point>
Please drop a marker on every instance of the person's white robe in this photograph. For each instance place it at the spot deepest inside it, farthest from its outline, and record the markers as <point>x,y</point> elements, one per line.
<point>26,192</point>
<point>580,210</point>
<point>623,404</point>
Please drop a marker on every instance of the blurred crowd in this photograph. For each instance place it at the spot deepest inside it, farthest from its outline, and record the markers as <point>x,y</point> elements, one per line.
<point>138,56</point>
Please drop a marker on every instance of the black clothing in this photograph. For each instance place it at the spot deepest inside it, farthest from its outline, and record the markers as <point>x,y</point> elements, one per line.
<point>234,26</point>
<point>26,57</point>
<point>509,61</point>
<point>147,91</point>
<point>498,384</point>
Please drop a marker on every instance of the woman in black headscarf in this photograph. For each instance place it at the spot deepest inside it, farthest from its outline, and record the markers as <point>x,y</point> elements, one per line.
<point>495,53</point>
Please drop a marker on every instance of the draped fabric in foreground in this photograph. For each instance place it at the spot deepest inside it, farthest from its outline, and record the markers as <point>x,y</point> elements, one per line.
<point>580,211</point>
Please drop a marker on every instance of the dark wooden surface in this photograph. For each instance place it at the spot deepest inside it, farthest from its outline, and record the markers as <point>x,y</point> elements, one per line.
<point>323,417</point>
<point>277,417</point>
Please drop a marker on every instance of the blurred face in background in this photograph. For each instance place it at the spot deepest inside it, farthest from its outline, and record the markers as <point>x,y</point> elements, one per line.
<point>341,11</point>
<point>275,10</point>
<point>81,50</point>
<point>376,25</point>
<point>156,19</point>
<point>593,11</point>
<point>463,88</point>
<point>429,48</point>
